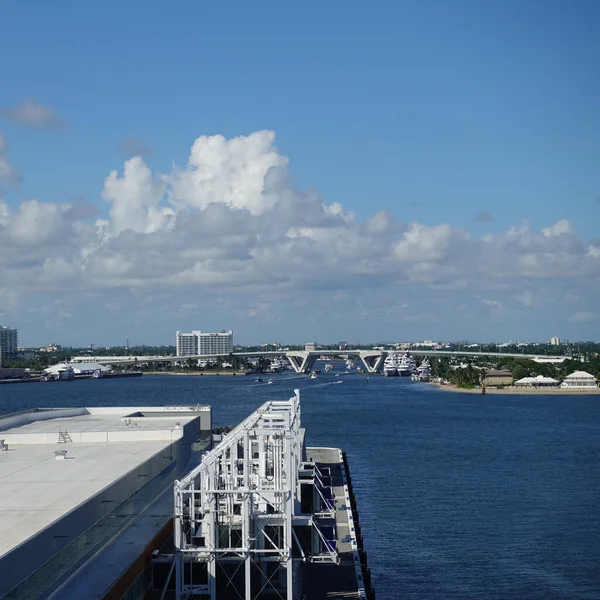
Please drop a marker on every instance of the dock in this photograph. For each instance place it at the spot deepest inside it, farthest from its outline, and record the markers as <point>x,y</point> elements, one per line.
<point>345,581</point>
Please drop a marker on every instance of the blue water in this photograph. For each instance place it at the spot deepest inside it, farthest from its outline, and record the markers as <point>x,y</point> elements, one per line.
<point>460,496</point>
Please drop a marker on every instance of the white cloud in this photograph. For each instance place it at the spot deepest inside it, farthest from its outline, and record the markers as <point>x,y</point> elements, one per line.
<point>135,198</point>
<point>32,113</point>
<point>230,230</point>
<point>240,173</point>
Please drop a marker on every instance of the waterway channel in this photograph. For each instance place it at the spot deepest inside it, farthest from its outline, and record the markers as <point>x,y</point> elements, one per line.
<point>460,496</point>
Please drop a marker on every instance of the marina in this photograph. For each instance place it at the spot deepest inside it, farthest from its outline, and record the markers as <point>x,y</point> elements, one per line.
<point>482,487</point>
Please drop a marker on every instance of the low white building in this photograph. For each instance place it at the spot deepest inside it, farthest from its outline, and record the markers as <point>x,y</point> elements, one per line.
<point>579,380</point>
<point>78,369</point>
<point>539,381</point>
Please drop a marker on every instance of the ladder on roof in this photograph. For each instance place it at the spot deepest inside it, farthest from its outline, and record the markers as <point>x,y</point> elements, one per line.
<point>63,436</point>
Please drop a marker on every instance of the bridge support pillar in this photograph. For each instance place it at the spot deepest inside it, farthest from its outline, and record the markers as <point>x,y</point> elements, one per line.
<point>302,362</point>
<point>372,359</point>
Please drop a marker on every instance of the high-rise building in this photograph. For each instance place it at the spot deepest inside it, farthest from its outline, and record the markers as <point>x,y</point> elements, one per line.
<point>201,343</point>
<point>555,341</point>
<point>187,344</point>
<point>8,343</point>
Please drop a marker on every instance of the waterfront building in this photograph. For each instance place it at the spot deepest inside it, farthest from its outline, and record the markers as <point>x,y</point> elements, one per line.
<point>498,377</point>
<point>8,343</point>
<point>200,342</point>
<point>187,344</point>
<point>579,380</point>
<point>310,346</point>
<point>539,381</point>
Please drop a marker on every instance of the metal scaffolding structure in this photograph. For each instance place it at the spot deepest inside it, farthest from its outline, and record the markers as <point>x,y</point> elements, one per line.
<point>235,513</point>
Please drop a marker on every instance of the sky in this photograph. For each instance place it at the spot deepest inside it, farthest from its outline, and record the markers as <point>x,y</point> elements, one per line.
<point>294,171</point>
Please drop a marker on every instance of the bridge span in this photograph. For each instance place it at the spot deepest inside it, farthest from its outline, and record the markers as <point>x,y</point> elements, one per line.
<point>303,361</point>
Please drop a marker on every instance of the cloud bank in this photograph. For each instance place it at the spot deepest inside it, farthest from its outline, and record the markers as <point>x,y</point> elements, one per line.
<point>227,238</point>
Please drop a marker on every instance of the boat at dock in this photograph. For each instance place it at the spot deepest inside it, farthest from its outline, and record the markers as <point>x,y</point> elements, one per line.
<point>279,364</point>
<point>406,366</point>
<point>390,365</point>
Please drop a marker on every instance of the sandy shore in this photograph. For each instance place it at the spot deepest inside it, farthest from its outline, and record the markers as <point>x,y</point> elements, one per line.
<point>197,373</point>
<point>519,391</point>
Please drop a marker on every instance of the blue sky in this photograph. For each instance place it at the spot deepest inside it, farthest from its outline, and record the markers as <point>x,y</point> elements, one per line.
<point>478,115</point>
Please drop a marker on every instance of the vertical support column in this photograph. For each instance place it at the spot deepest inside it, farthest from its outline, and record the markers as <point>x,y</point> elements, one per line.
<point>247,520</point>
<point>289,495</point>
<point>213,533</point>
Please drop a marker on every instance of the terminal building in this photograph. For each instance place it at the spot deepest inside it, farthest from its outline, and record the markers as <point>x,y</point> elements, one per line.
<point>86,496</point>
<point>202,343</point>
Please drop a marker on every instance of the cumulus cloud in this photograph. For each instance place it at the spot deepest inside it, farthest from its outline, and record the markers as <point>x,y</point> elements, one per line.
<point>242,173</point>
<point>33,114</point>
<point>230,234</point>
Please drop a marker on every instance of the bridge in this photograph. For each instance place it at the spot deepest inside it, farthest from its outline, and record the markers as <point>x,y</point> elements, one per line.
<point>303,361</point>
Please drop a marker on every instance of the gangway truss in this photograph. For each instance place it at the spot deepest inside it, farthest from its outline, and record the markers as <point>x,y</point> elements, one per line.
<point>241,526</point>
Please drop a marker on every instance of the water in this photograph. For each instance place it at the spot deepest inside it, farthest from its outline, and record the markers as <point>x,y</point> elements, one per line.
<point>460,496</point>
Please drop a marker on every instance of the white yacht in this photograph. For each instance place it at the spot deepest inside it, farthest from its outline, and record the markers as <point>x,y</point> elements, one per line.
<point>423,371</point>
<point>406,366</point>
<point>59,372</point>
<point>390,365</point>
<point>279,364</point>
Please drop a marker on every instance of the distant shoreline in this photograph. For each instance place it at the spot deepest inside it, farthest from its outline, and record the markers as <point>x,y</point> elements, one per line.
<point>198,373</point>
<point>517,391</point>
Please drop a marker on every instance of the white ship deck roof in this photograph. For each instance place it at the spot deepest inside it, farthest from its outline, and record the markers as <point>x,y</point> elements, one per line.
<point>37,489</point>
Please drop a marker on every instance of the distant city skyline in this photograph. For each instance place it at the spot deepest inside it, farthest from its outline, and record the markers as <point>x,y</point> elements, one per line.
<point>552,340</point>
<point>295,171</point>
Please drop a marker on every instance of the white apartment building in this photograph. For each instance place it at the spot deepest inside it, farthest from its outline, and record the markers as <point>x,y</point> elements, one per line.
<point>187,344</point>
<point>8,343</point>
<point>555,341</point>
<point>202,343</point>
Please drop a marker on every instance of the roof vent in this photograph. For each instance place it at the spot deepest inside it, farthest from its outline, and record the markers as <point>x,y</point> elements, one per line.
<point>60,454</point>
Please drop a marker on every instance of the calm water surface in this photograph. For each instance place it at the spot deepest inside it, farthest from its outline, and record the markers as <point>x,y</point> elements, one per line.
<point>460,496</point>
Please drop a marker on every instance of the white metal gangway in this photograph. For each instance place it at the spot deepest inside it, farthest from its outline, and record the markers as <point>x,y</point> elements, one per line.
<point>234,512</point>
